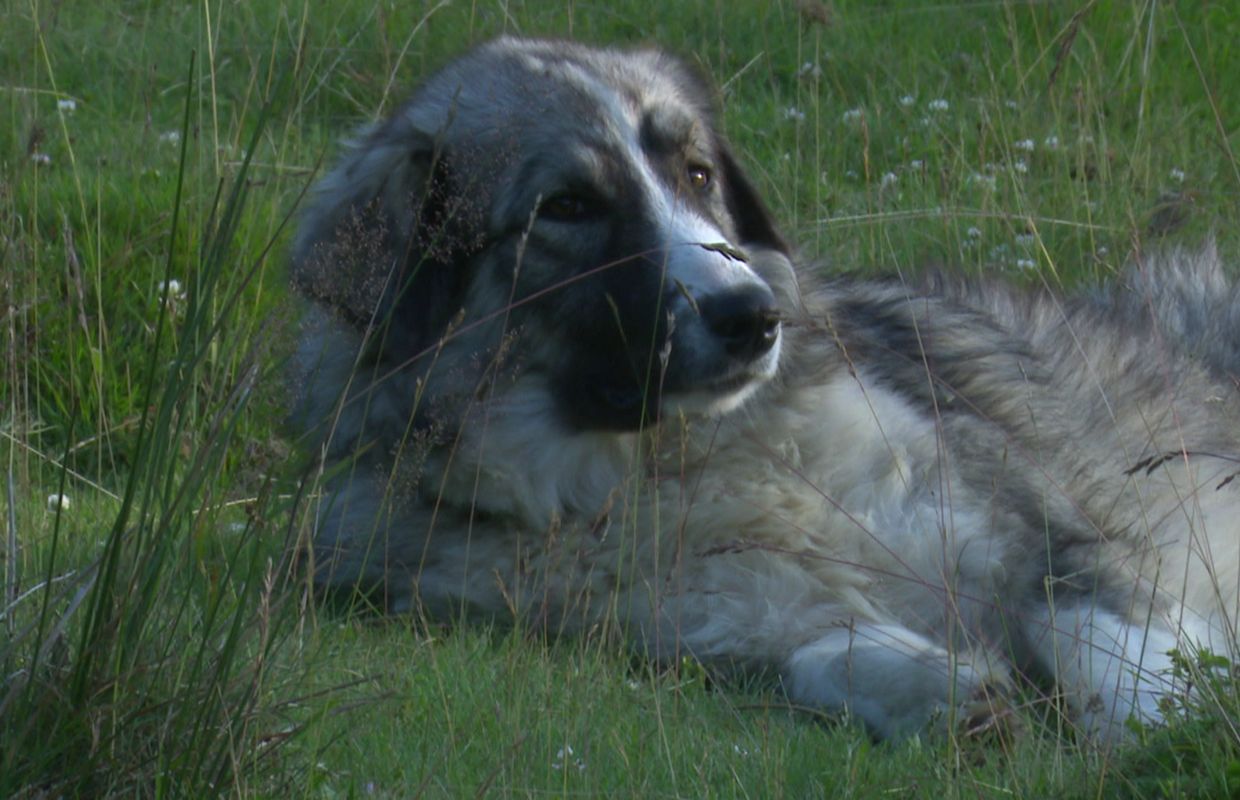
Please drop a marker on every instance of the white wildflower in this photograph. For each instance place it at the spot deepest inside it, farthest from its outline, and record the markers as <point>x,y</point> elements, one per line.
<point>986,181</point>
<point>917,164</point>
<point>58,502</point>
<point>795,114</point>
<point>67,105</point>
<point>973,232</point>
<point>1051,142</point>
<point>852,115</point>
<point>938,104</point>
<point>851,174</point>
<point>907,100</point>
<point>1024,144</point>
<point>42,159</point>
<point>1177,175</point>
<point>809,70</point>
<point>888,180</point>
<point>1025,239</point>
<point>1102,251</point>
<point>563,756</point>
<point>1012,104</point>
<point>170,137</point>
<point>174,292</point>
<point>1020,166</point>
<point>1025,264</point>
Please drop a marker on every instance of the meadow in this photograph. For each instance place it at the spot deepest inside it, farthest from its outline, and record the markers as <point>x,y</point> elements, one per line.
<point>156,634</point>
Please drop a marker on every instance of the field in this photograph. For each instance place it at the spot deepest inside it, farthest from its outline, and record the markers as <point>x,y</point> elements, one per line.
<point>156,637</point>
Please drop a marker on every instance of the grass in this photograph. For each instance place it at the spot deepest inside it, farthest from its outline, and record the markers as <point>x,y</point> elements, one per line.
<point>153,643</point>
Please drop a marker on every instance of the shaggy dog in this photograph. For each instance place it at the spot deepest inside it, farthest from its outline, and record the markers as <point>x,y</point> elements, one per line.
<point>559,365</point>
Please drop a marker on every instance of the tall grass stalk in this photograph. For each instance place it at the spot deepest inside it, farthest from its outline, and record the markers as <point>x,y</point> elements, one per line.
<point>143,670</point>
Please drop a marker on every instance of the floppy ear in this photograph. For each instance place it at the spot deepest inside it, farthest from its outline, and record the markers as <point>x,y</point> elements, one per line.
<point>753,222</point>
<point>379,243</point>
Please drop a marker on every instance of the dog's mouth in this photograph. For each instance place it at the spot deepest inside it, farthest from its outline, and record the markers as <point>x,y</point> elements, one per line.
<point>608,404</point>
<point>722,394</point>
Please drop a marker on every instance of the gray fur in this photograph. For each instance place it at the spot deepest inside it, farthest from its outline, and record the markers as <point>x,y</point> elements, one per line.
<point>900,498</point>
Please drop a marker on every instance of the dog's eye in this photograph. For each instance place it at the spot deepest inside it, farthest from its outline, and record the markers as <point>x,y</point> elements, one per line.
<point>699,176</point>
<point>567,207</point>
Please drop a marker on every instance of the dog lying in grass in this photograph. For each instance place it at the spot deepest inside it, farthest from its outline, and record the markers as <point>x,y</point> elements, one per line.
<point>561,365</point>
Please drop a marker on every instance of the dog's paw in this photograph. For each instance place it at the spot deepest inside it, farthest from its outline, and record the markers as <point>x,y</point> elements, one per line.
<point>897,682</point>
<point>988,714</point>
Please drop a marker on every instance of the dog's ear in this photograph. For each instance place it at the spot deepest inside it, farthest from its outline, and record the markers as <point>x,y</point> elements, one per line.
<point>380,242</point>
<point>754,224</point>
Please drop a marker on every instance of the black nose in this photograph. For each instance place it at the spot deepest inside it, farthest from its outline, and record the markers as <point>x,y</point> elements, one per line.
<point>744,319</point>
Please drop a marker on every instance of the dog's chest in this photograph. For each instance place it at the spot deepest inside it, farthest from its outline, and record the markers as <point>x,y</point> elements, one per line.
<point>863,481</point>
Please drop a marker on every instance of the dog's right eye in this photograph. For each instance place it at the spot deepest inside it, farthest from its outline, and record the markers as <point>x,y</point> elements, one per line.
<point>568,207</point>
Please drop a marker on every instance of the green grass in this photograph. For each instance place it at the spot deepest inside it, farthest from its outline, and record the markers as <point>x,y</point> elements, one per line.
<point>159,647</point>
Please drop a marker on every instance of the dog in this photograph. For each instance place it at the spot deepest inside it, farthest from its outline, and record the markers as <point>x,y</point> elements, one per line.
<point>559,365</point>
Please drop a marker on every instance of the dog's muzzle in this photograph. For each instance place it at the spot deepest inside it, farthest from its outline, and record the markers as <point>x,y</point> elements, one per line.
<point>708,344</point>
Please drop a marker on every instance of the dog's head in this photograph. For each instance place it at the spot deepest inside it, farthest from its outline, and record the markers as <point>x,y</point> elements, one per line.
<point>579,200</point>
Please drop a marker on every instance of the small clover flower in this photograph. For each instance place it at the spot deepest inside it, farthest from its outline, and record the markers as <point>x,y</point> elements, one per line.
<point>66,105</point>
<point>986,181</point>
<point>563,757</point>
<point>172,287</point>
<point>41,159</point>
<point>852,115</point>
<point>888,180</point>
<point>174,292</point>
<point>170,137</point>
<point>938,104</point>
<point>1051,143</point>
<point>907,100</point>
<point>1177,174</point>
<point>795,114</point>
<point>1024,144</point>
<point>58,502</point>
<point>1025,264</point>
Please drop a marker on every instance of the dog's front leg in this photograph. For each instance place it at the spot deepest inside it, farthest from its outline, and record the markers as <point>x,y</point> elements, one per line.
<point>895,680</point>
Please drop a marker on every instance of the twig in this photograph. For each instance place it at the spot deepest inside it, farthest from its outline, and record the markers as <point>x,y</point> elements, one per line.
<point>10,554</point>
